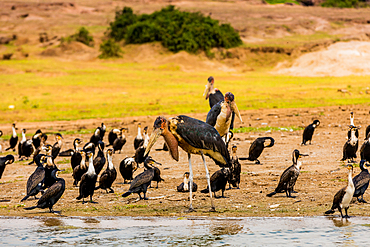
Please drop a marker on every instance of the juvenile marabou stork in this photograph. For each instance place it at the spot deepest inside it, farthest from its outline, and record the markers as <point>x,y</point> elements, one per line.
<point>194,137</point>
<point>220,116</point>
<point>213,94</point>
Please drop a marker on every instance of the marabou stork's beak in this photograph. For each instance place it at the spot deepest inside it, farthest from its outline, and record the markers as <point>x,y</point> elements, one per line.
<point>153,138</point>
<point>206,91</point>
<point>235,109</point>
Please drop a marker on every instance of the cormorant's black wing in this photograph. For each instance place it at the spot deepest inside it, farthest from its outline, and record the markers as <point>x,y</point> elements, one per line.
<point>361,179</point>
<point>339,196</point>
<point>213,114</point>
<point>37,177</point>
<point>50,193</point>
<point>201,135</point>
<point>142,178</point>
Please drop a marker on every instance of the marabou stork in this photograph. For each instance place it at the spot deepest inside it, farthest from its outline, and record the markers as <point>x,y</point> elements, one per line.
<point>213,94</point>
<point>194,137</point>
<point>220,116</point>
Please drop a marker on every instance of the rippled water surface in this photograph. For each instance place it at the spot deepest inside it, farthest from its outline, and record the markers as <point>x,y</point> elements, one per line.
<point>117,231</point>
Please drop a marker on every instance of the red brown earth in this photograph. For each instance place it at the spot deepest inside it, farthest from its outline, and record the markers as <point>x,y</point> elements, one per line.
<point>322,174</point>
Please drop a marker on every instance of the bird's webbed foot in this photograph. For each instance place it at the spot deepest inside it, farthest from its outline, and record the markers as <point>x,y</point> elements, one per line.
<point>258,162</point>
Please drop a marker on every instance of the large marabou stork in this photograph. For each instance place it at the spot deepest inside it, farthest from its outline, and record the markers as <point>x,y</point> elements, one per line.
<point>194,137</point>
<point>220,116</point>
<point>213,94</point>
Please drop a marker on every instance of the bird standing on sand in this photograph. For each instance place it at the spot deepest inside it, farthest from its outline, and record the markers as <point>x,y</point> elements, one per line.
<point>308,132</point>
<point>127,167</point>
<point>88,181</point>
<point>365,149</point>
<point>361,182</point>
<point>36,180</point>
<point>213,94</point>
<point>220,115</point>
<point>194,137</point>
<point>51,195</point>
<point>184,186</point>
<point>289,176</point>
<point>344,196</point>
<point>139,138</point>
<point>109,175</point>
<point>218,182</point>
<point>257,147</point>
<point>235,169</point>
<point>57,146</point>
<point>13,139</point>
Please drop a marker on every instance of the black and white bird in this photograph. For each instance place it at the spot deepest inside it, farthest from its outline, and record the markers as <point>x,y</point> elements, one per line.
<point>235,169</point>
<point>140,151</point>
<point>220,115</point>
<point>344,196</point>
<point>185,185</point>
<point>361,182</point>
<point>96,137</point>
<point>194,137</point>
<point>139,138</point>
<point>88,181</point>
<point>127,167</point>
<point>213,94</point>
<point>36,138</point>
<point>289,176</point>
<point>40,140</point>
<point>80,169</point>
<point>308,132</point>
<point>27,148</point>
<point>365,149</point>
<point>20,144</point>
<point>4,161</point>
<point>13,139</point>
<point>49,167</point>
<point>109,175</point>
<point>76,155</point>
<point>57,146</point>
<point>51,195</point>
<point>219,180</point>
<point>36,180</point>
<point>103,129</point>
<point>119,141</point>
<point>257,147</point>
<point>113,135</point>
<point>351,145</point>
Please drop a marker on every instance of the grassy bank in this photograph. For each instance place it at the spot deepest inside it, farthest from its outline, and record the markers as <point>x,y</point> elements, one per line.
<point>49,89</point>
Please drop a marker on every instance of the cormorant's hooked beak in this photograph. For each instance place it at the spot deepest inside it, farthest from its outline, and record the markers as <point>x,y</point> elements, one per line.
<point>153,138</point>
<point>235,109</point>
<point>303,155</point>
<point>207,90</point>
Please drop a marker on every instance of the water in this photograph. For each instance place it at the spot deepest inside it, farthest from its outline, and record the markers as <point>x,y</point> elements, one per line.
<point>198,231</point>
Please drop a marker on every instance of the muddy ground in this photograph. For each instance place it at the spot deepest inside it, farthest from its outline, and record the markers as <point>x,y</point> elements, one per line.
<point>322,174</point>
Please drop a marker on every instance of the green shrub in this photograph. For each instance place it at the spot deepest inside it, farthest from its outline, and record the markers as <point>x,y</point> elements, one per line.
<point>177,30</point>
<point>123,19</point>
<point>344,3</point>
<point>109,48</point>
<point>81,36</point>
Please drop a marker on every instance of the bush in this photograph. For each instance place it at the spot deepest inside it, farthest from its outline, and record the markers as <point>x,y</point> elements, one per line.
<point>109,48</point>
<point>176,30</point>
<point>344,3</point>
<point>81,36</point>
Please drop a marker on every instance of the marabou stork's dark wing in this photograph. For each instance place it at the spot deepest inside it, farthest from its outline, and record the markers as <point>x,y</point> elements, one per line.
<point>213,114</point>
<point>142,178</point>
<point>201,135</point>
<point>37,177</point>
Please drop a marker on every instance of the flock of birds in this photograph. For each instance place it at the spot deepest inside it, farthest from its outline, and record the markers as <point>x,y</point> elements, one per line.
<point>210,138</point>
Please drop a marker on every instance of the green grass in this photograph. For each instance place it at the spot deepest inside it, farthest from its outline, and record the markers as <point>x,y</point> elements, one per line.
<point>281,1</point>
<point>65,90</point>
<point>261,129</point>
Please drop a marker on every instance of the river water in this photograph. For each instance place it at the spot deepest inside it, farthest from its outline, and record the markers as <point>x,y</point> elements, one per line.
<point>184,231</point>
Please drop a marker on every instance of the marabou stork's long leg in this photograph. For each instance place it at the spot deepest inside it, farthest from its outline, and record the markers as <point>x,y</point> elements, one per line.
<point>191,209</point>
<point>208,181</point>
